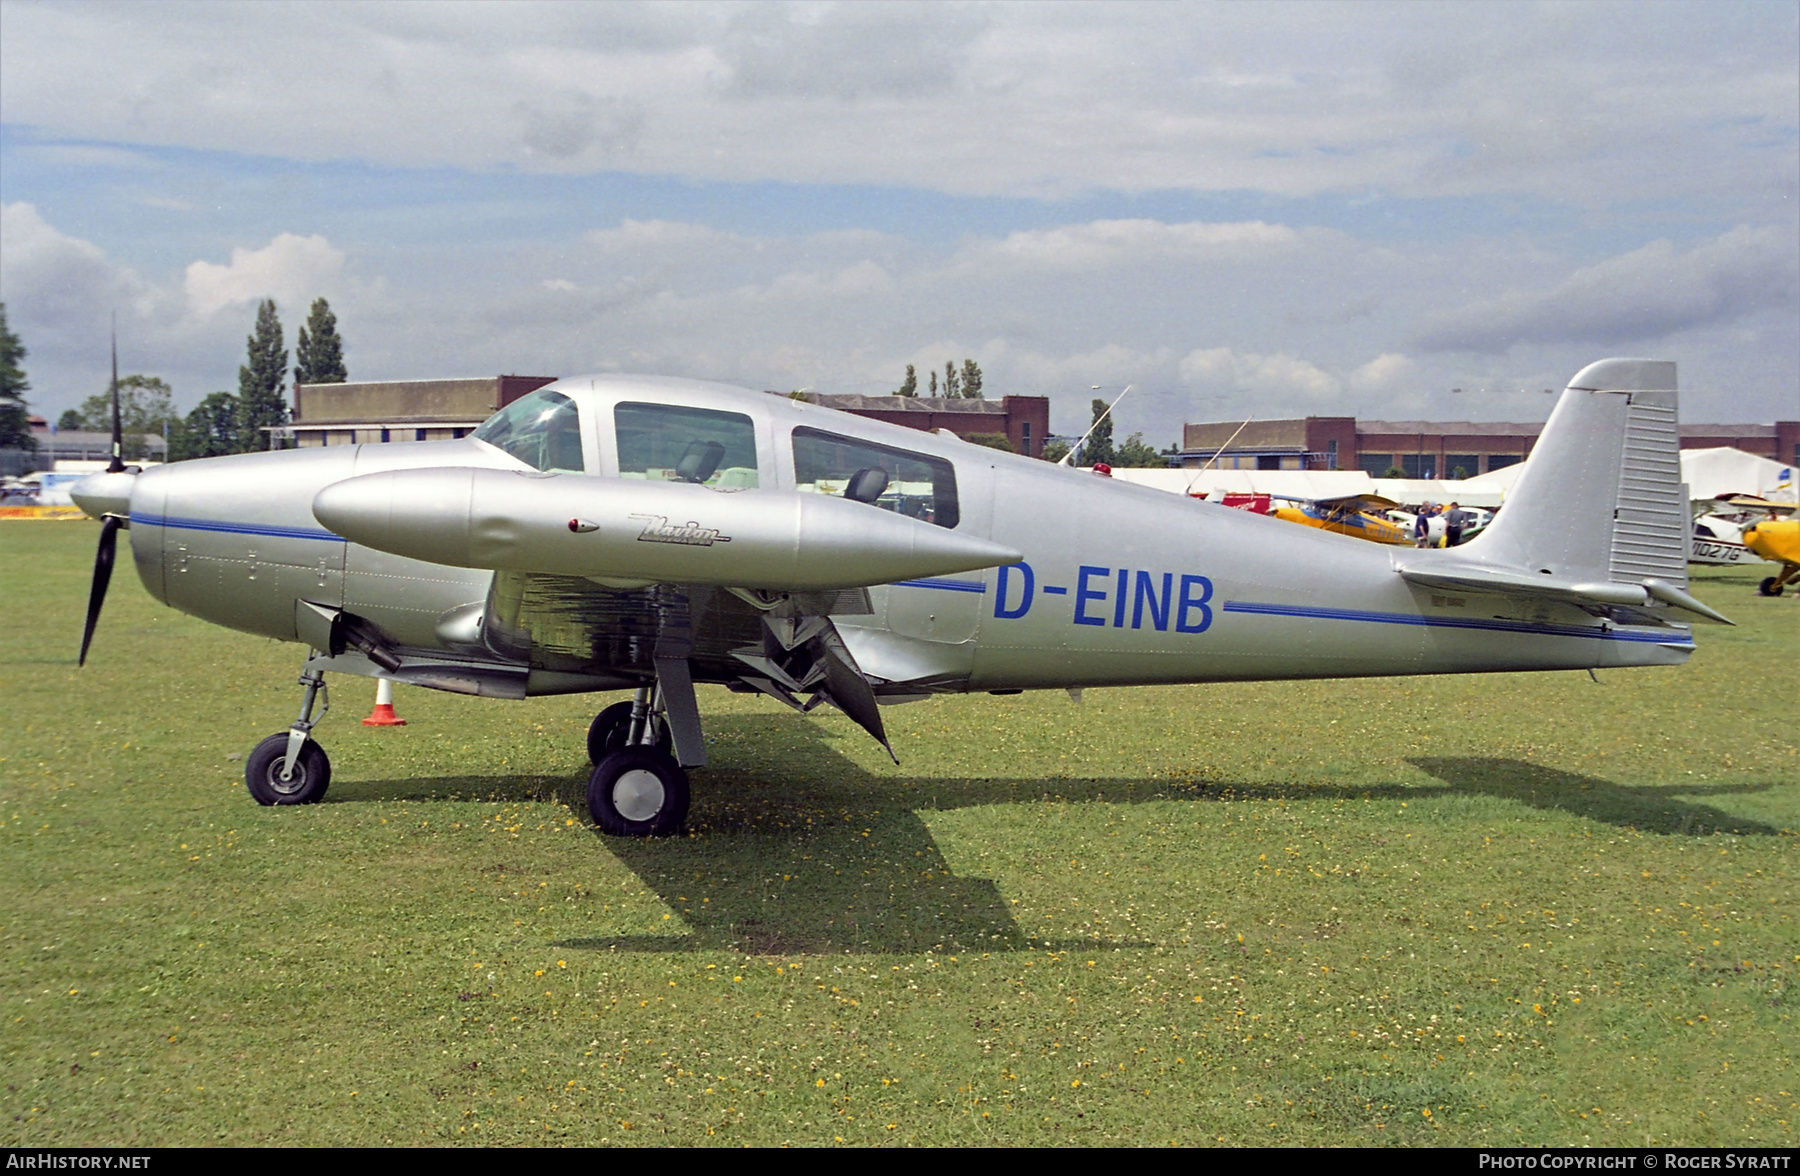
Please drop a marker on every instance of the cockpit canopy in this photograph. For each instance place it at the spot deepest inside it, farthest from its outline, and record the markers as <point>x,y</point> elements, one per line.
<point>654,440</point>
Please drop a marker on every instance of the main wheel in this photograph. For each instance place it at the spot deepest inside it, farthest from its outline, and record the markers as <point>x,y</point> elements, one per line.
<point>638,792</point>
<point>1769,587</point>
<point>311,776</point>
<point>608,730</point>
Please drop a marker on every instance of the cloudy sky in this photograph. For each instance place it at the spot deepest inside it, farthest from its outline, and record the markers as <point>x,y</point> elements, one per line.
<point>1240,209</point>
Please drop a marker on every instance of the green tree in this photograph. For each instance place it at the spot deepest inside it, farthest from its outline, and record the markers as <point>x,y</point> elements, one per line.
<point>209,431</point>
<point>1393,471</point>
<point>318,352</point>
<point>934,382</point>
<point>971,380</point>
<point>910,385</point>
<point>1136,455</point>
<point>261,402</point>
<point>15,422</point>
<point>70,419</point>
<point>1054,451</point>
<point>990,440</point>
<point>146,407</point>
<point>952,382</point>
<point>1099,447</point>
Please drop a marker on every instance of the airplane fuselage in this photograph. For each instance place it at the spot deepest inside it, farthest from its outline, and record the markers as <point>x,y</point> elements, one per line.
<point>1119,584</point>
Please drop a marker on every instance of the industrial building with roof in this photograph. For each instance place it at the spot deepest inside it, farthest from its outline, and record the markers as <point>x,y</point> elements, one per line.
<point>1424,449</point>
<point>435,410</point>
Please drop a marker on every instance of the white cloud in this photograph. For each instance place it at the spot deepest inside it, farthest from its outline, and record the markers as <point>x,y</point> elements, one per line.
<point>1132,242</point>
<point>1383,373</point>
<point>1643,295</point>
<point>60,283</point>
<point>290,269</point>
<point>634,236</point>
<point>1618,104</point>
<point>1284,377</point>
<point>863,280</point>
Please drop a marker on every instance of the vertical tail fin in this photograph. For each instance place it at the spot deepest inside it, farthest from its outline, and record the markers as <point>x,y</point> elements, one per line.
<point>1600,500</point>
<point>1599,516</point>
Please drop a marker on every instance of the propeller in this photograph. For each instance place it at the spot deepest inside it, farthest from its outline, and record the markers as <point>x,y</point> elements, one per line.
<point>109,525</point>
<point>117,464</point>
<point>103,566</point>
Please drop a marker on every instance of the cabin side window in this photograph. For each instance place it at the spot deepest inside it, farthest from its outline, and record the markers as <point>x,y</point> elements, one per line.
<point>542,429</point>
<point>907,483</point>
<point>670,443</point>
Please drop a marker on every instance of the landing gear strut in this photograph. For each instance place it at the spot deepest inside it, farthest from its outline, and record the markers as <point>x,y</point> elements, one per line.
<point>290,768</point>
<point>638,789</point>
<point>612,727</point>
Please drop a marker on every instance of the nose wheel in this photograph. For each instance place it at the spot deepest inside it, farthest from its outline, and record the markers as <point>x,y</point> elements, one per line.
<point>638,792</point>
<point>289,768</point>
<point>305,784</point>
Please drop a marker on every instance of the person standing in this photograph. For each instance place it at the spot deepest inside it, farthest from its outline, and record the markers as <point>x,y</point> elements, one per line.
<point>1455,519</point>
<point>1422,526</point>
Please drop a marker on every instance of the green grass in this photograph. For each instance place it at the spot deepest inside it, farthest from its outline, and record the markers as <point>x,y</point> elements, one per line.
<point>1482,910</point>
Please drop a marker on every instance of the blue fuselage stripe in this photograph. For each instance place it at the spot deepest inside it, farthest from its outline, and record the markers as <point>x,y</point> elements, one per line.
<point>230,528</point>
<point>1384,618</point>
<point>944,585</point>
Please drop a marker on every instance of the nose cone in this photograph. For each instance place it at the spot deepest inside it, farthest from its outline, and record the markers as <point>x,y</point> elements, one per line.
<point>104,494</point>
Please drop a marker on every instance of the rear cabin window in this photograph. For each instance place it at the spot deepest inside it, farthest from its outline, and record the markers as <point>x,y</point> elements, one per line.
<point>907,483</point>
<point>669,443</point>
<point>542,429</point>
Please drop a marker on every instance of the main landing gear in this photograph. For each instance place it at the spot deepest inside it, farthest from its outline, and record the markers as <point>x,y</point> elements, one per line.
<point>290,768</point>
<point>638,788</point>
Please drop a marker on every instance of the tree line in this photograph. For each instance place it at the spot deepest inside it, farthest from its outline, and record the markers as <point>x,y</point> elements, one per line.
<point>223,422</point>
<point>958,385</point>
<point>1133,453</point>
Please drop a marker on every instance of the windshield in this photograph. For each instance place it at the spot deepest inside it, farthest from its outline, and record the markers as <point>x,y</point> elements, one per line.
<point>543,430</point>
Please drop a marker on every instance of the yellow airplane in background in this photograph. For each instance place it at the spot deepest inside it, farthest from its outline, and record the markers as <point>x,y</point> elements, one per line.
<point>1350,515</point>
<point>1778,541</point>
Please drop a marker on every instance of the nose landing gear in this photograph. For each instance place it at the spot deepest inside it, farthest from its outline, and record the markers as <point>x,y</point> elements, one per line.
<point>289,768</point>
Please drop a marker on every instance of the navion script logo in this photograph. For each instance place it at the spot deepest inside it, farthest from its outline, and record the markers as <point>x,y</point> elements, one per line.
<point>657,529</point>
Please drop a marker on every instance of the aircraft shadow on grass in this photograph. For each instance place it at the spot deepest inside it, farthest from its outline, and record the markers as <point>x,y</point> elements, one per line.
<point>812,854</point>
<point>1646,808</point>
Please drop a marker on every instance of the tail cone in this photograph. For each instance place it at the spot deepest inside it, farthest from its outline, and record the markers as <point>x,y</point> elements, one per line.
<point>384,715</point>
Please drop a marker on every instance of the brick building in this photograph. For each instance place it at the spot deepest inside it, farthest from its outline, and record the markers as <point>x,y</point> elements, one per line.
<point>1426,449</point>
<point>401,410</point>
<point>1023,420</point>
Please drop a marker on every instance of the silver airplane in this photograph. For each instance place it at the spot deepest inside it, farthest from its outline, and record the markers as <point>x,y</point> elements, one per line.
<point>622,532</point>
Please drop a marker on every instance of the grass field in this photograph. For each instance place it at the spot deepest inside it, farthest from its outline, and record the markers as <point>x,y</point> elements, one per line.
<point>1483,910</point>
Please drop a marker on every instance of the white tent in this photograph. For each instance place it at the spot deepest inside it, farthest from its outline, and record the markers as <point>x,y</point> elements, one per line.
<point>1305,484</point>
<point>1707,472</point>
<point>1710,473</point>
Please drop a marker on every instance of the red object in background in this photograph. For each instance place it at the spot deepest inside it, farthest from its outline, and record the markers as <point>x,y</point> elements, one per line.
<point>1104,470</point>
<point>384,715</point>
<point>1254,503</point>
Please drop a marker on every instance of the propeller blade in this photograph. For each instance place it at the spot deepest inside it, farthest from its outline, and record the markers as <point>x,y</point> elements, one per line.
<point>117,464</point>
<point>103,566</point>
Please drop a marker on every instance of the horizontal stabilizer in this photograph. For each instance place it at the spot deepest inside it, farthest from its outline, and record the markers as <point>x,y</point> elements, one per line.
<point>1604,592</point>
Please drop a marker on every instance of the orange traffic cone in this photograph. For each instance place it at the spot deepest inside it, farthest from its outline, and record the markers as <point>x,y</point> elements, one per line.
<point>384,715</point>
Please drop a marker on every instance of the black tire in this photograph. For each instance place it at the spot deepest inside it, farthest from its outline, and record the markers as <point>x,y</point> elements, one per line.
<point>606,734</point>
<point>1769,587</point>
<point>312,773</point>
<point>638,792</point>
